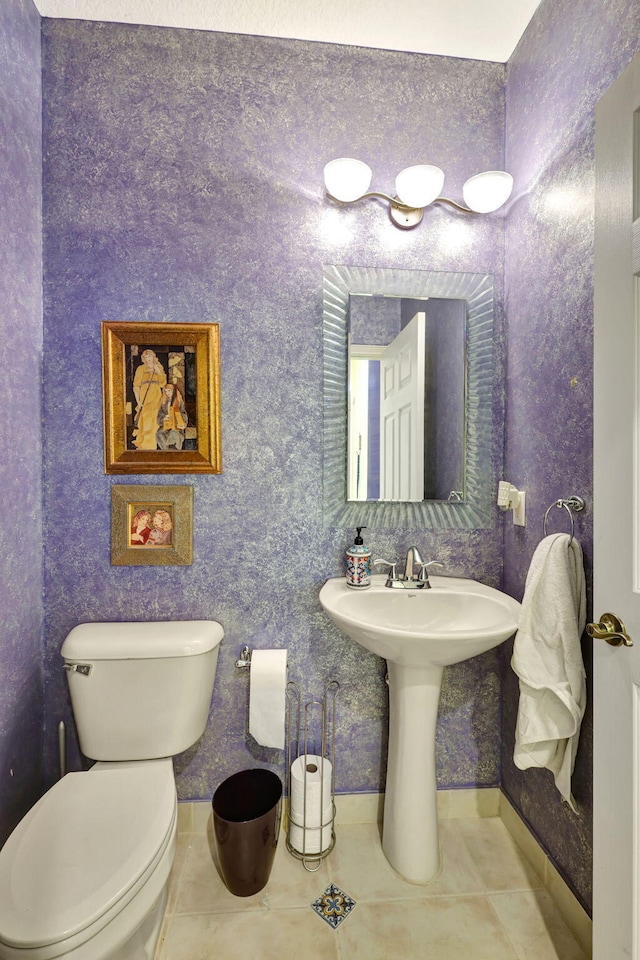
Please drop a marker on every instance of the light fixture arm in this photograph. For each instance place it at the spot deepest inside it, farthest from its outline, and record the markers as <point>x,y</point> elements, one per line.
<point>394,201</point>
<point>403,215</point>
<point>455,204</point>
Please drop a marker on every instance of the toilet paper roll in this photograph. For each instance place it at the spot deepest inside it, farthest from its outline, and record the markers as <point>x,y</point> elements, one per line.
<point>267,693</point>
<point>307,833</point>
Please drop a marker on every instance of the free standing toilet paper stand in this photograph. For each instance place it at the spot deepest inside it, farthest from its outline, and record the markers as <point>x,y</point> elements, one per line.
<point>311,744</point>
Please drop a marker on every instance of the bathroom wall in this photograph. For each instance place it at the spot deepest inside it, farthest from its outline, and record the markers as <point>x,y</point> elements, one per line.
<point>571,52</point>
<point>374,320</point>
<point>183,182</point>
<point>21,697</point>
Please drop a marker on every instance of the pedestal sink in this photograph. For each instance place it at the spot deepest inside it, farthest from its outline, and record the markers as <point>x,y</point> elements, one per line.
<point>418,632</point>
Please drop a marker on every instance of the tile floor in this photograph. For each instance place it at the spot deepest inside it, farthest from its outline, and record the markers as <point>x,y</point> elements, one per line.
<point>487,904</point>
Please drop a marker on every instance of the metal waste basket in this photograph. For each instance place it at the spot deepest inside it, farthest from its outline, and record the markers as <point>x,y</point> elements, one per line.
<point>246,823</point>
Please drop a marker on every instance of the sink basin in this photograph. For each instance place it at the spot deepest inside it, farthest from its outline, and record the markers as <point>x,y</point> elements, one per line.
<point>419,633</point>
<point>454,620</point>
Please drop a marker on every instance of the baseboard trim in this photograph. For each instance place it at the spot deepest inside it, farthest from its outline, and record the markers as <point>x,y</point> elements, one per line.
<point>369,807</point>
<point>452,804</point>
<point>572,911</point>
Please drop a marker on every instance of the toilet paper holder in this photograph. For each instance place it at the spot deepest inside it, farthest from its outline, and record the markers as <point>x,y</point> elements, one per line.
<point>244,659</point>
<point>310,744</point>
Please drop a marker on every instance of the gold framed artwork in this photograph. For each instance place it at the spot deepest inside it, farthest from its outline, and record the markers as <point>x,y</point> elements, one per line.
<point>151,525</point>
<point>161,390</point>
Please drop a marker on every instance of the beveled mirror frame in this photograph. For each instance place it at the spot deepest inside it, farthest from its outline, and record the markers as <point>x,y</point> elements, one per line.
<point>476,510</point>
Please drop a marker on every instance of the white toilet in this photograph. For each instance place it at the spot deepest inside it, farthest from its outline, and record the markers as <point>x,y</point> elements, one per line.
<point>84,875</point>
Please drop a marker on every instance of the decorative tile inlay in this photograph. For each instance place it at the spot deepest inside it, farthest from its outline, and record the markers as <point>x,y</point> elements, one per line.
<point>334,905</point>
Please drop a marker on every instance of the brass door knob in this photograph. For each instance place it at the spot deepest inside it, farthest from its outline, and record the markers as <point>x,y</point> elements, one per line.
<point>611,629</point>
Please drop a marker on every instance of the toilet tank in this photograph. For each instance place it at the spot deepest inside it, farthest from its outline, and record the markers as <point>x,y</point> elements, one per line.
<point>140,691</point>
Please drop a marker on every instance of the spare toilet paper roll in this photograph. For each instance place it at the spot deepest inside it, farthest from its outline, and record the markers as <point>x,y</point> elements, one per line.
<point>316,810</point>
<point>267,693</point>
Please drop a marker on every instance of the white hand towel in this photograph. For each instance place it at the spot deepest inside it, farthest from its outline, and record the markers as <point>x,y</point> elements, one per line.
<point>548,661</point>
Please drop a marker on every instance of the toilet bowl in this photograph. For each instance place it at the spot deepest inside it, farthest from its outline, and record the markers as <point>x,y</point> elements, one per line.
<point>84,875</point>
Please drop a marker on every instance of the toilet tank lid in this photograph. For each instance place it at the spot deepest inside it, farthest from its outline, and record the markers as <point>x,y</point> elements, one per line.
<point>141,641</point>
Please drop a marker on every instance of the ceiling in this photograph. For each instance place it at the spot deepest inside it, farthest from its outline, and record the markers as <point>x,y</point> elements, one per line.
<point>473,29</point>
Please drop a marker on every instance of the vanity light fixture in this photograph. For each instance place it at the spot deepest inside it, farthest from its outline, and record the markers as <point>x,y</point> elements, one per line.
<point>417,187</point>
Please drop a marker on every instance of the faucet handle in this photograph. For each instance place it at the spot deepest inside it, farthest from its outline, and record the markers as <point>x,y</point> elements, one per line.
<point>392,575</point>
<point>423,575</point>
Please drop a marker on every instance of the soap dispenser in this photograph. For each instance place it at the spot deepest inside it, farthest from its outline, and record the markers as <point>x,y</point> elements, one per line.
<point>359,563</point>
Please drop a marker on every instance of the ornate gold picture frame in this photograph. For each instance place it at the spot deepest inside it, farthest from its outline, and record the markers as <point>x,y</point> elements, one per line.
<point>151,525</point>
<point>161,389</point>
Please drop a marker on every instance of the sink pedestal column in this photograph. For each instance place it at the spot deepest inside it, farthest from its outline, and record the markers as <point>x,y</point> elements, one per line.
<point>410,828</point>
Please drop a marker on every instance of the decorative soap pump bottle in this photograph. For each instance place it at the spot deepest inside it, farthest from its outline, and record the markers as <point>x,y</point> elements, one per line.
<point>359,563</point>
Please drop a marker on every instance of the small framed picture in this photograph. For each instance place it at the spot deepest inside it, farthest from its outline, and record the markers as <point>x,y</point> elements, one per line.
<point>151,525</point>
<point>161,397</point>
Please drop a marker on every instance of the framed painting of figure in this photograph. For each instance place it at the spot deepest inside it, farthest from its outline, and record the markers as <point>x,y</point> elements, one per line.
<point>151,525</point>
<point>161,389</point>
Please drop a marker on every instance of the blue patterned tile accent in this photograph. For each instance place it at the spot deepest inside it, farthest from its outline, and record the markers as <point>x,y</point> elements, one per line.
<point>334,905</point>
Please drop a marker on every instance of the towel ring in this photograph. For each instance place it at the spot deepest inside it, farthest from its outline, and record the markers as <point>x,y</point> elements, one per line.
<point>571,504</point>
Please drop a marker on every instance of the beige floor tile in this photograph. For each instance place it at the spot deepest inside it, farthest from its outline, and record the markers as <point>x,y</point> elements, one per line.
<point>290,884</point>
<point>359,867</point>
<point>497,858</point>
<point>441,928</point>
<point>487,904</point>
<point>270,935</point>
<point>202,891</point>
<point>458,874</point>
<point>535,926</point>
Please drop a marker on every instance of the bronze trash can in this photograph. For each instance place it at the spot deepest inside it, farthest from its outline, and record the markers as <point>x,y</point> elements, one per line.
<point>246,824</point>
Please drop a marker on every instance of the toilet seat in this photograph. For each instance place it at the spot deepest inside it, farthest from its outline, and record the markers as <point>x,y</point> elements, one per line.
<point>83,852</point>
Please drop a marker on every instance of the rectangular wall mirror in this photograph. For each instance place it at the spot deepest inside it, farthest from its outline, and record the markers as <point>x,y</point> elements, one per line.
<point>415,459</point>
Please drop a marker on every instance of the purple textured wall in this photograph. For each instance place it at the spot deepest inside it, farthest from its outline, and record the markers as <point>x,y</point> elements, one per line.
<point>21,698</point>
<point>571,52</point>
<point>183,182</point>
<point>374,320</point>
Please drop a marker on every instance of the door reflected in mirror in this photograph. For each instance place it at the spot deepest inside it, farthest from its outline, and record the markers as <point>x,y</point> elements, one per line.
<point>406,404</point>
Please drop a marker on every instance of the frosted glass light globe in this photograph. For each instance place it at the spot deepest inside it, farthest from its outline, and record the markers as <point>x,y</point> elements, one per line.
<point>347,179</point>
<point>419,186</point>
<point>487,191</point>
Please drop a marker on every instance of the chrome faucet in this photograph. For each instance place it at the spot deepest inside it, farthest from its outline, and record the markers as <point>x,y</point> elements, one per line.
<point>413,559</point>
<point>408,580</point>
